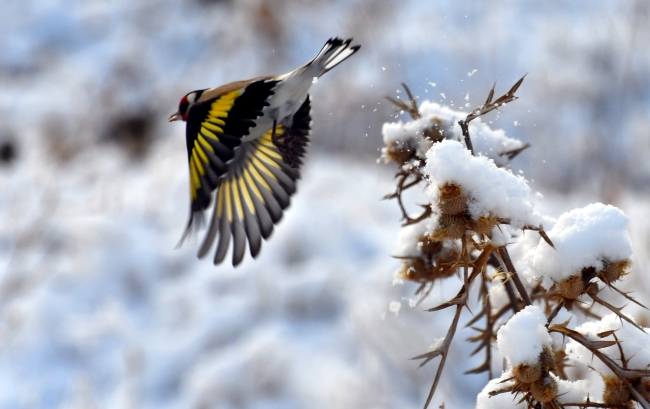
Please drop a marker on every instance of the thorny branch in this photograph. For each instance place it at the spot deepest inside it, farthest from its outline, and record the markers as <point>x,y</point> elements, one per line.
<point>485,336</point>
<point>409,175</point>
<point>488,106</point>
<point>411,106</point>
<point>593,291</point>
<point>594,346</point>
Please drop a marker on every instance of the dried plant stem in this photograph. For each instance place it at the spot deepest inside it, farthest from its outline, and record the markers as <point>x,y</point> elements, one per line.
<point>464,126</point>
<point>489,325</point>
<point>627,296</point>
<point>554,312</point>
<point>488,106</point>
<point>486,335</point>
<point>411,106</point>
<point>454,325</point>
<point>503,253</point>
<point>514,301</point>
<point>460,301</point>
<point>444,352</point>
<point>401,187</point>
<point>593,291</point>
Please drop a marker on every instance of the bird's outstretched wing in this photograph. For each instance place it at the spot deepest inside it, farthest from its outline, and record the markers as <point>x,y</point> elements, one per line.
<point>213,133</point>
<point>257,188</point>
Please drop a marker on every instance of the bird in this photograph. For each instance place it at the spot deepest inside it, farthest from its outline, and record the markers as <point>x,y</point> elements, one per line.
<point>245,143</point>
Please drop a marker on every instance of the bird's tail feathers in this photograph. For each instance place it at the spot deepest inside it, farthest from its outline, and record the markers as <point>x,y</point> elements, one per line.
<point>334,52</point>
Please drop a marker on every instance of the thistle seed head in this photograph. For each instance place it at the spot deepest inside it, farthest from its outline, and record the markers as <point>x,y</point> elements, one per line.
<point>452,200</point>
<point>571,287</point>
<point>615,393</point>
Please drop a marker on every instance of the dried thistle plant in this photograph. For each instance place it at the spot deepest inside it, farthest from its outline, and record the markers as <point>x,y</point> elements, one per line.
<point>464,232</point>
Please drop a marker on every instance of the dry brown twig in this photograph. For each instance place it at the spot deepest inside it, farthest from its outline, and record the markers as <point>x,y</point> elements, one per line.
<point>488,106</point>
<point>593,291</point>
<point>411,106</point>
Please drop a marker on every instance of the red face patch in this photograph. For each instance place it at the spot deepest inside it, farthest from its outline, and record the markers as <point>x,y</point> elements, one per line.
<point>182,107</point>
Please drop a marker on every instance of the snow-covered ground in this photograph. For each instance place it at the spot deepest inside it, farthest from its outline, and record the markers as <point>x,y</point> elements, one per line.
<point>98,309</point>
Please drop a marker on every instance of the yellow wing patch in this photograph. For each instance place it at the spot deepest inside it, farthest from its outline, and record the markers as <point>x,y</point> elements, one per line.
<point>246,194</point>
<point>199,150</point>
<point>238,204</point>
<point>226,187</point>
<point>210,128</point>
<point>269,152</point>
<point>206,132</point>
<point>259,177</point>
<point>263,168</point>
<point>220,205</point>
<point>253,186</point>
<point>205,144</point>
<point>221,106</point>
<point>197,162</point>
<point>195,182</point>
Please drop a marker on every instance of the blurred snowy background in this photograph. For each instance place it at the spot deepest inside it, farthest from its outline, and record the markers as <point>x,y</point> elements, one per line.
<point>98,311</point>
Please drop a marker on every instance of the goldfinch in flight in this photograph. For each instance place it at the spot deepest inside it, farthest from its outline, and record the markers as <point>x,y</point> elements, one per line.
<point>245,140</point>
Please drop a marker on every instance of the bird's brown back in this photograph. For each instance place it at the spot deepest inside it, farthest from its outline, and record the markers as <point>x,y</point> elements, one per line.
<point>224,89</point>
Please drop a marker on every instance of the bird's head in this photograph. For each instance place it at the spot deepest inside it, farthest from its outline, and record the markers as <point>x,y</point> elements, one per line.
<point>184,106</point>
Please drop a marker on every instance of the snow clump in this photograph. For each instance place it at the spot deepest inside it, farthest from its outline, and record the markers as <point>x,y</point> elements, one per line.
<point>586,237</point>
<point>523,338</point>
<point>492,191</point>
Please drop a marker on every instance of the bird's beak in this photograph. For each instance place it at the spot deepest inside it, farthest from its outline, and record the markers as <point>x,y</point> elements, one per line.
<point>176,116</point>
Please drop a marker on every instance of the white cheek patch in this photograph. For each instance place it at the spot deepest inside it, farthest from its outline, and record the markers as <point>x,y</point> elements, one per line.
<point>191,98</point>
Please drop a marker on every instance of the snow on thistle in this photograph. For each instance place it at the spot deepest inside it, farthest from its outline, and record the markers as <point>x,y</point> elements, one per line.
<point>528,348</point>
<point>425,260</point>
<point>493,396</point>
<point>437,122</point>
<point>475,208</point>
<point>462,183</point>
<point>592,238</point>
<point>526,328</point>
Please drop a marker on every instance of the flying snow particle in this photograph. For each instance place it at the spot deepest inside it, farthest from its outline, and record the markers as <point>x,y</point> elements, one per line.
<point>394,307</point>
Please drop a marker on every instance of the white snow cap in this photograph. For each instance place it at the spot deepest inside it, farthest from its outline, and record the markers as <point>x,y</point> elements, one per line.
<point>571,391</point>
<point>491,189</point>
<point>407,240</point>
<point>501,401</point>
<point>582,238</point>
<point>522,339</point>
<point>567,392</point>
<point>488,142</point>
<point>634,343</point>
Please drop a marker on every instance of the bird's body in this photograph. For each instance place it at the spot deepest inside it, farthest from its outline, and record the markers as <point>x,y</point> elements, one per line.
<point>245,141</point>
